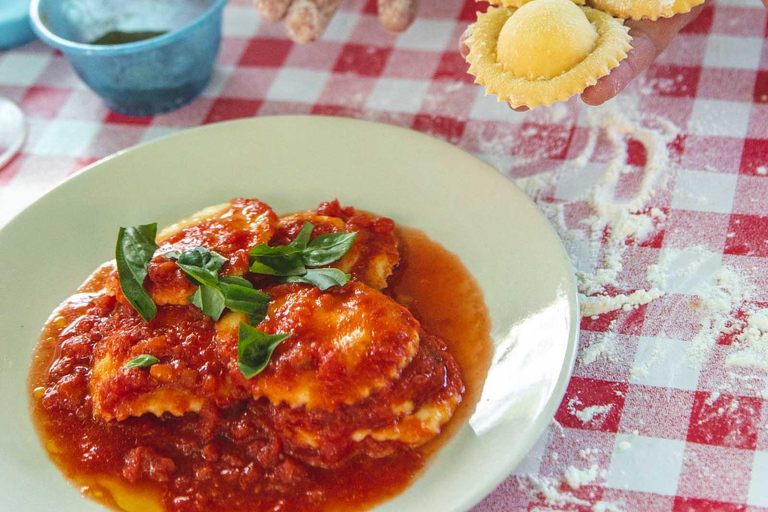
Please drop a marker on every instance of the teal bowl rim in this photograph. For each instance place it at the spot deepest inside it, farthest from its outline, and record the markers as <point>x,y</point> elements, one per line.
<point>68,46</point>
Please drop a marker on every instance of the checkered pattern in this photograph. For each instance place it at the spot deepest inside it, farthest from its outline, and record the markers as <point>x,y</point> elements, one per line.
<point>668,442</point>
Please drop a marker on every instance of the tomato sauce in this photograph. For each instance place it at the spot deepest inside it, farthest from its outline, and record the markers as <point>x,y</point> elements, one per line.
<point>228,457</point>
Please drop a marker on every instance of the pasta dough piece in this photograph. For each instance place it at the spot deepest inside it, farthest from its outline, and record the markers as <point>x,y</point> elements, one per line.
<point>519,3</point>
<point>346,343</point>
<point>645,9</point>
<point>537,36</point>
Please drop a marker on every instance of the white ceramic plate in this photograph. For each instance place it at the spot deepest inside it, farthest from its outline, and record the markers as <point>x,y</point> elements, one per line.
<point>292,163</point>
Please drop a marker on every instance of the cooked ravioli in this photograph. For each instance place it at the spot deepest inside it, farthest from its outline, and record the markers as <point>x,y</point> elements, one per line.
<point>408,413</point>
<point>186,376</point>
<point>231,230</point>
<point>372,257</point>
<point>345,343</point>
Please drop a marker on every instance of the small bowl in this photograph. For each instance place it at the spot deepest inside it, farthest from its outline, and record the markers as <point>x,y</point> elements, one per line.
<point>141,78</point>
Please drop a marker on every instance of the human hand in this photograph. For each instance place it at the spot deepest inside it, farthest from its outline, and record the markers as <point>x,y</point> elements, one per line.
<point>306,20</point>
<point>649,39</point>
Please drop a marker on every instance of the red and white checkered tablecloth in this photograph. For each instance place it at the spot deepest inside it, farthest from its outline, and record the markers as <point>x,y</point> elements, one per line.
<point>672,437</point>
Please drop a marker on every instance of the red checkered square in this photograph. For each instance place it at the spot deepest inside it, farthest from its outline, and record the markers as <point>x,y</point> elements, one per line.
<point>638,501</point>
<point>676,110</point>
<point>750,236</point>
<point>620,321</point>
<point>576,447</point>
<point>657,412</point>
<point>452,66</point>
<point>703,22</point>
<point>495,137</point>
<point>265,52</point>
<point>583,393</point>
<point>715,473</point>
<point>514,493</point>
<point>713,154</point>
<point>337,111</point>
<point>46,102</point>
<point>470,9</point>
<point>447,128</point>
<point>752,195</point>
<point>754,156</point>
<point>115,118</point>
<point>698,505</point>
<point>725,420</point>
<point>362,60</point>
<point>224,109</point>
<point>368,31</point>
<point>688,228</point>
<point>760,94</point>
<point>740,84</point>
<point>672,80</point>
<point>413,64</point>
<point>371,7</point>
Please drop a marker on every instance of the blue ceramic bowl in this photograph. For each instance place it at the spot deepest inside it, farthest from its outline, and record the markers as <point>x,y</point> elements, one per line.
<point>142,78</point>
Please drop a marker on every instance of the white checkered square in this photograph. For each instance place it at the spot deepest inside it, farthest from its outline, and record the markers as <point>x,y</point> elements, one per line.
<point>398,94</point>
<point>722,118</point>
<point>22,68</point>
<point>629,468</point>
<point>240,21</point>
<point>156,132</point>
<point>66,137</point>
<point>689,268</point>
<point>341,26</point>
<point>733,52</point>
<point>758,486</point>
<point>703,191</point>
<point>299,85</point>
<point>665,363</point>
<point>427,35</point>
<point>575,184</point>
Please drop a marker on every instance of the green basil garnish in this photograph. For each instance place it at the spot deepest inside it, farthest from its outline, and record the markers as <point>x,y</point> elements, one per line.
<point>215,293</point>
<point>245,299</point>
<point>200,263</point>
<point>302,239</point>
<point>135,247</point>
<point>290,262</point>
<point>210,300</point>
<point>141,361</point>
<point>325,249</point>
<point>254,349</point>
<point>282,260</point>
<point>323,278</point>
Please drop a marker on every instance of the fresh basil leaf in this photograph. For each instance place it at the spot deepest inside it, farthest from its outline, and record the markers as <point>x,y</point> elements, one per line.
<point>302,239</point>
<point>323,278</point>
<point>254,349</point>
<point>210,300</point>
<point>325,249</point>
<point>247,300</point>
<point>282,260</point>
<point>135,247</point>
<point>236,280</point>
<point>201,264</point>
<point>141,361</point>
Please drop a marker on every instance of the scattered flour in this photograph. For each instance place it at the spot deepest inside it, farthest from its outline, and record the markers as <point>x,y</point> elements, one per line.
<point>588,414</point>
<point>576,477</point>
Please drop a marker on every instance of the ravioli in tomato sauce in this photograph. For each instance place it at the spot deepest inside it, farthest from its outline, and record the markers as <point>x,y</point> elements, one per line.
<point>376,372</point>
